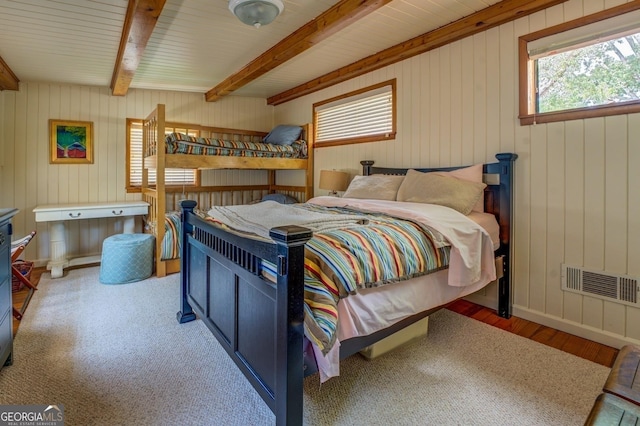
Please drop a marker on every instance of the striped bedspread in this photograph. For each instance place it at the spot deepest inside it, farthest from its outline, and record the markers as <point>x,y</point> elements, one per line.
<point>339,262</point>
<point>171,243</point>
<point>400,241</point>
<point>179,143</point>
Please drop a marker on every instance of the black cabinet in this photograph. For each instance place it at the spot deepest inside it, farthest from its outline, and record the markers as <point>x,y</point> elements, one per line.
<point>6,317</point>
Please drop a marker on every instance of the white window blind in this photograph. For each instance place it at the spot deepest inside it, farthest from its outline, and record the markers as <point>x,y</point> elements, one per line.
<point>172,176</point>
<point>366,114</point>
<point>596,32</point>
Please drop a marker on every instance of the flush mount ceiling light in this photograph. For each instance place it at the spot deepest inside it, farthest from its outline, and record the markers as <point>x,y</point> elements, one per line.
<point>256,12</point>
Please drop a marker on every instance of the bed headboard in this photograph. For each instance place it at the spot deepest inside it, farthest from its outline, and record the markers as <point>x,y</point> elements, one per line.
<point>498,194</point>
<point>498,200</point>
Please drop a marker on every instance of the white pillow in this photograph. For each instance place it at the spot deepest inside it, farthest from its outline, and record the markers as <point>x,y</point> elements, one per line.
<point>374,187</point>
<point>438,188</point>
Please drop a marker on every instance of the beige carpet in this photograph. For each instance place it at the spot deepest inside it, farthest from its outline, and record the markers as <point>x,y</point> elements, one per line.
<point>115,355</point>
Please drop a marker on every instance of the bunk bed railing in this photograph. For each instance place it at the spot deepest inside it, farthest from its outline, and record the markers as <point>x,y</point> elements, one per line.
<point>164,199</point>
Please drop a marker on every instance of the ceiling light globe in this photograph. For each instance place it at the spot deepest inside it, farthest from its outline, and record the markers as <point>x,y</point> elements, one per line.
<point>256,12</point>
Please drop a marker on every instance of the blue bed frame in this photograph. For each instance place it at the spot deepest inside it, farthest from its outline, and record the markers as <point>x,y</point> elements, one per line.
<point>260,323</point>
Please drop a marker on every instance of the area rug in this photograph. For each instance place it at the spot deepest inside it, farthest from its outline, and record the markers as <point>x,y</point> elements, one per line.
<point>115,355</point>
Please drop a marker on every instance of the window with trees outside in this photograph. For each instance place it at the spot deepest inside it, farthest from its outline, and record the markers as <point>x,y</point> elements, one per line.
<point>178,177</point>
<point>585,68</point>
<point>365,115</point>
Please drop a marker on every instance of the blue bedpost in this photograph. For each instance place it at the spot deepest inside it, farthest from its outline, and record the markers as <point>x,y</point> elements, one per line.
<point>290,323</point>
<point>186,313</point>
<point>366,167</point>
<point>506,224</point>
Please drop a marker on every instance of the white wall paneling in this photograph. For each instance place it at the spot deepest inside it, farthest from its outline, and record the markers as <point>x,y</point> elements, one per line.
<point>27,179</point>
<point>577,197</point>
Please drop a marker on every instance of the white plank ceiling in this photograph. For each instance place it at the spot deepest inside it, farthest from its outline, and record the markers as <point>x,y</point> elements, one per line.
<point>196,44</point>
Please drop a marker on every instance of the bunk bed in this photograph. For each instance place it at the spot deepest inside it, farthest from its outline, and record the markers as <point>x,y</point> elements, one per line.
<point>261,322</point>
<point>157,136</point>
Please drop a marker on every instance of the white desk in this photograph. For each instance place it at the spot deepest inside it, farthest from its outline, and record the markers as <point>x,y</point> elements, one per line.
<point>57,215</point>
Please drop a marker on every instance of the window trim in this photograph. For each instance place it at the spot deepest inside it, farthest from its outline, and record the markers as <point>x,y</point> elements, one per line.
<point>526,75</point>
<point>358,139</point>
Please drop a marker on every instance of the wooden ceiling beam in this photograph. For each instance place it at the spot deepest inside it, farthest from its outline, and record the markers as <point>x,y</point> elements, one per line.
<point>492,16</point>
<point>339,16</point>
<point>8,80</point>
<point>141,19</point>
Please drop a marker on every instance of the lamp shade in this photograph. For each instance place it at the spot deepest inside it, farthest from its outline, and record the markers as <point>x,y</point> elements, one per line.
<point>334,180</point>
<point>256,12</point>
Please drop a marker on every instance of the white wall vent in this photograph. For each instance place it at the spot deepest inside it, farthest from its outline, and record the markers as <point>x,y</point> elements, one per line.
<point>604,285</point>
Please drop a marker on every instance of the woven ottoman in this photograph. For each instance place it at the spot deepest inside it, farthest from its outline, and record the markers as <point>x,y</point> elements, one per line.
<point>126,258</point>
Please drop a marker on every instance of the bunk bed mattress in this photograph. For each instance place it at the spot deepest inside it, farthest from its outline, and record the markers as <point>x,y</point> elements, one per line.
<point>171,242</point>
<point>179,143</point>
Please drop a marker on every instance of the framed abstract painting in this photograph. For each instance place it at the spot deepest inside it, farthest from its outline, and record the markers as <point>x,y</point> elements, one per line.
<point>71,142</point>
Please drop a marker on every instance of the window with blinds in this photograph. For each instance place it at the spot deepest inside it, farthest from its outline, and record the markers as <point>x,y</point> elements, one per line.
<point>134,161</point>
<point>365,115</point>
<point>581,69</point>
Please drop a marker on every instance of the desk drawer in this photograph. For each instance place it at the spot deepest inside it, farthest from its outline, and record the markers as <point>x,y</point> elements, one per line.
<point>94,213</point>
<point>78,214</point>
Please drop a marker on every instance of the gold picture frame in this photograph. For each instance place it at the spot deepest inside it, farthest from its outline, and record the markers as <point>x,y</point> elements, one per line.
<point>70,142</point>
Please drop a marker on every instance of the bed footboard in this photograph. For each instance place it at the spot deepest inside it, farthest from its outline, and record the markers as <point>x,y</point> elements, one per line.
<point>259,323</point>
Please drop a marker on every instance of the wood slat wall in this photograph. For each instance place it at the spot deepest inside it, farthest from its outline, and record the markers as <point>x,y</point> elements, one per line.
<point>27,179</point>
<point>577,199</point>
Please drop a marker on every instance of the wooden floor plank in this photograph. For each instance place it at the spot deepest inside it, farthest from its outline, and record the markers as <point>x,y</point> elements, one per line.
<point>559,339</point>
<point>529,329</point>
<point>587,349</point>
<point>544,335</point>
<point>483,315</point>
<point>606,355</point>
<point>518,325</point>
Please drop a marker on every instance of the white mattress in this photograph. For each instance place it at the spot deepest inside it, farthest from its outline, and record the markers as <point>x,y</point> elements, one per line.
<point>376,308</point>
<point>490,224</point>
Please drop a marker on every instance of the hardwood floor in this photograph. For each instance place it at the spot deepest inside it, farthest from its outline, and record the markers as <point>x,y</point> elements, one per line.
<point>587,349</point>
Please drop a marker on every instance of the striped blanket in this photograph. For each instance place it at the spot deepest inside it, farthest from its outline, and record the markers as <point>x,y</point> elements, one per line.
<point>171,242</point>
<point>341,261</point>
<point>179,143</point>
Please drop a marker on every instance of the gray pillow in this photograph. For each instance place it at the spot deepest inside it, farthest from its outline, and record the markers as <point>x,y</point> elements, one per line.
<point>445,190</point>
<point>280,198</point>
<point>283,135</point>
<point>374,187</point>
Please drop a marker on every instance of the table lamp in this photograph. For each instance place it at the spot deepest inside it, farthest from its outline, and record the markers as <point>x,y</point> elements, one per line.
<point>334,181</point>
